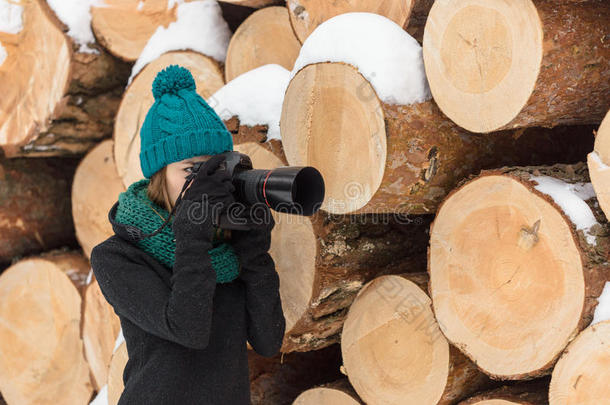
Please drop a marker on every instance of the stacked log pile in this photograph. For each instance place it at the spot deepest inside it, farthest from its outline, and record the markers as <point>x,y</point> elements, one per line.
<point>462,251</point>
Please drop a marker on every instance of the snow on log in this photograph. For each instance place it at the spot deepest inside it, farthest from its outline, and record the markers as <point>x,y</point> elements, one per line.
<point>266,36</point>
<point>96,172</point>
<point>323,260</point>
<point>517,259</point>
<point>500,65</point>
<point>254,99</point>
<point>307,15</point>
<point>599,165</point>
<point>42,358</point>
<point>59,96</point>
<point>138,98</point>
<point>35,210</point>
<point>394,352</point>
<point>582,373</point>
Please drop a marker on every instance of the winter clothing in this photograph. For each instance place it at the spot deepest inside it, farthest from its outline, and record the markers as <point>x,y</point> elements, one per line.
<point>180,124</point>
<point>137,209</point>
<point>185,333</point>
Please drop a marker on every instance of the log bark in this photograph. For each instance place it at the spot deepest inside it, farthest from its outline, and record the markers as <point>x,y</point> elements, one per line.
<point>138,98</point>
<point>124,27</point>
<point>338,392</point>
<point>323,259</point>
<point>306,15</point>
<point>401,158</point>
<point>266,36</point>
<point>538,260</point>
<point>598,162</point>
<point>280,379</point>
<point>519,64</point>
<point>581,374</point>
<point>35,206</point>
<point>96,172</point>
<point>42,298</point>
<point>533,392</point>
<point>393,349</point>
<point>57,101</point>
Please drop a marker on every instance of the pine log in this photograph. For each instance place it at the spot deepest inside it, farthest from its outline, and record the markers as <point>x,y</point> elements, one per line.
<point>401,158</point>
<point>598,162</point>
<point>96,172</point>
<point>115,373</point>
<point>101,327</point>
<point>266,36</point>
<point>306,15</point>
<point>280,379</point>
<point>323,260</point>
<point>338,392</point>
<point>500,65</point>
<point>533,392</point>
<point>515,269</point>
<point>42,358</point>
<point>124,27</point>
<point>138,98</point>
<point>394,351</point>
<point>56,100</point>
<point>35,212</point>
<point>582,373</point>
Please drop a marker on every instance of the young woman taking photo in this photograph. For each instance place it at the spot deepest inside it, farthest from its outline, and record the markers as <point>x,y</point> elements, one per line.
<point>191,295</point>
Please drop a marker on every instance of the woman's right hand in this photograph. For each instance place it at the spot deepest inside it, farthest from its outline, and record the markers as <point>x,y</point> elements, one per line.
<point>211,191</point>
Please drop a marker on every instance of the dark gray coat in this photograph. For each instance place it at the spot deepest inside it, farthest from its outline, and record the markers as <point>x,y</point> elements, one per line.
<point>186,334</point>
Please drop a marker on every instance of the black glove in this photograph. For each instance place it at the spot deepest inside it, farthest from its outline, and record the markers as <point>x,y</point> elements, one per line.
<point>252,242</point>
<point>211,191</point>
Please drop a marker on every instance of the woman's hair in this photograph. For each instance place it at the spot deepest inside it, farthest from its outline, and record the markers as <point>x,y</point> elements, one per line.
<point>157,189</point>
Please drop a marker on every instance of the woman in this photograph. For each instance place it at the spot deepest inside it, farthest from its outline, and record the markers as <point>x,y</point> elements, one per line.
<point>189,296</point>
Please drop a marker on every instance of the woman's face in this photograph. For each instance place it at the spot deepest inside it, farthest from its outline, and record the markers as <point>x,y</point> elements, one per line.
<point>175,175</point>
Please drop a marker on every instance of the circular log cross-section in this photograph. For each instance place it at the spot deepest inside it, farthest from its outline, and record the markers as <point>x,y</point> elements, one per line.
<point>306,15</point>
<point>514,277</point>
<point>582,373</point>
<point>394,352</point>
<point>90,207</point>
<point>42,358</point>
<point>264,37</point>
<point>138,98</point>
<point>323,261</point>
<point>101,327</point>
<point>338,392</point>
<point>125,26</point>
<point>56,101</point>
<point>376,157</point>
<point>503,64</point>
<point>598,162</point>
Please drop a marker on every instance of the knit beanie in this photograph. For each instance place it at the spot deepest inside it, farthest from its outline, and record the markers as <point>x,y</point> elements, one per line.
<point>180,124</point>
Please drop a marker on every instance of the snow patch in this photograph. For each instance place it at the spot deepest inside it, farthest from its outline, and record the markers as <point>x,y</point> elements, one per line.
<point>76,14</point>
<point>199,26</point>
<point>571,198</point>
<point>602,311</point>
<point>119,340</point>
<point>382,51</point>
<point>102,397</point>
<point>595,156</point>
<point>11,17</point>
<point>255,96</point>
<point>3,54</point>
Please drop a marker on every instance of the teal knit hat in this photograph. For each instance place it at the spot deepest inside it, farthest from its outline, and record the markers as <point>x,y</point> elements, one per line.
<point>180,124</point>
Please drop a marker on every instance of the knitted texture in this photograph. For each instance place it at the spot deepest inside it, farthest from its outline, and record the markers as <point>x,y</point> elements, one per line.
<point>137,209</point>
<point>180,124</point>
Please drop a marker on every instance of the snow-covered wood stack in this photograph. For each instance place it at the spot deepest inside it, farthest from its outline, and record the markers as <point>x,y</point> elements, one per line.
<point>462,252</point>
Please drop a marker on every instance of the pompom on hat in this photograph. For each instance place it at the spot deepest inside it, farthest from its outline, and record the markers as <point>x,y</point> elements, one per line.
<point>180,124</point>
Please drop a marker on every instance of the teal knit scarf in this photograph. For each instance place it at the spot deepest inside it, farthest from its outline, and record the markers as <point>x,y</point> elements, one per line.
<point>137,209</point>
